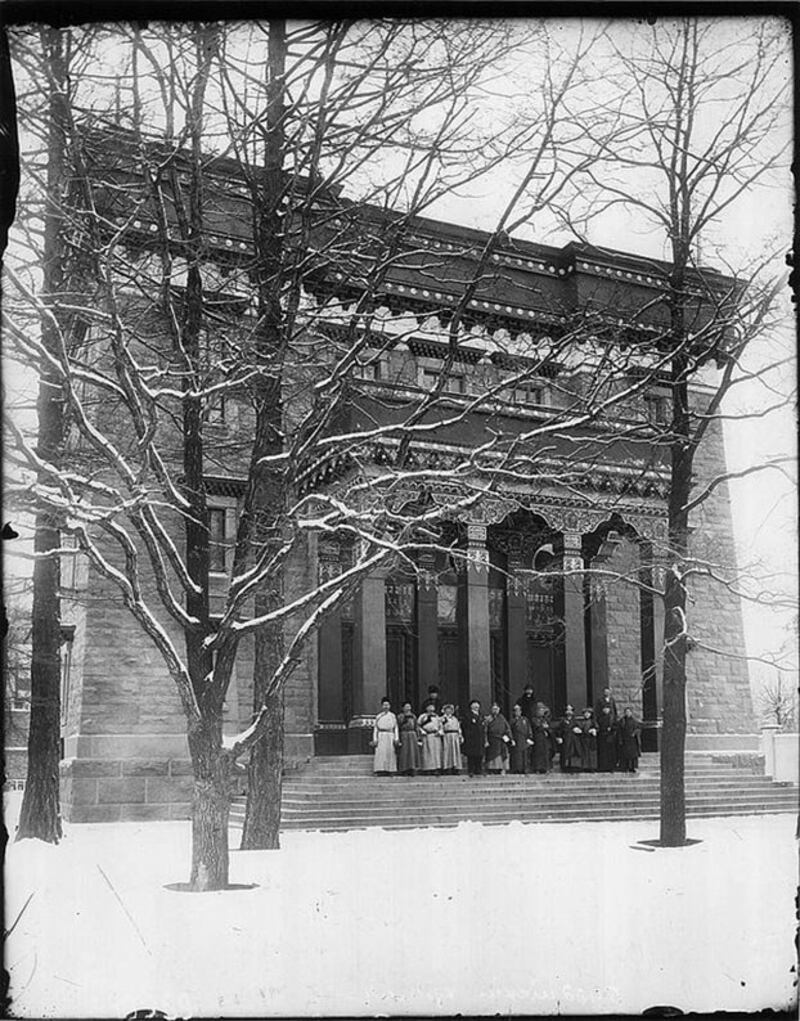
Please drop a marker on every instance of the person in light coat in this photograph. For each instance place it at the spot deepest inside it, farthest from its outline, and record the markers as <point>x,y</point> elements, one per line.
<point>385,739</point>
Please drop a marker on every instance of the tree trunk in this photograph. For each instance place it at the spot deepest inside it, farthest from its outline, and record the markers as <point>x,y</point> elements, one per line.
<point>673,734</point>
<point>265,782</point>
<point>40,816</point>
<point>211,801</point>
<point>266,494</point>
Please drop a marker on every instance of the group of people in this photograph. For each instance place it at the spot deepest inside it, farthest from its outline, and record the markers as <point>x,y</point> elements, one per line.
<point>433,741</point>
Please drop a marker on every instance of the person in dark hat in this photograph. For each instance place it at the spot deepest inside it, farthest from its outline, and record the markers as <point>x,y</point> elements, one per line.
<point>588,741</point>
<point>433,699</point>
<point>408,752</point>
<point>568,742</point>
<point>527,703</point>
<point>473,729</point>
<point>630,745</point>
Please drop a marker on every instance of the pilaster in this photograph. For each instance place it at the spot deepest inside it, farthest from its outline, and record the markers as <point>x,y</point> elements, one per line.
<point>574,634</point>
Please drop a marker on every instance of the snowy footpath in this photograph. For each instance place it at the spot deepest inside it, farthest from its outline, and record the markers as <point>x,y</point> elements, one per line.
<point>506,919</point>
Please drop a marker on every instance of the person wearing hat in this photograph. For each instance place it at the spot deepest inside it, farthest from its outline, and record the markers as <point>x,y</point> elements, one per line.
<point>385,738</point>
<point>408,752</point>
<point>498,735</point>
<point>567,740</point>
<point>429,728</point>
<point>630,744</point>
<point>588,741</point>
<point>527,702</point>
<point>432,699</point>
<point>473,729</point>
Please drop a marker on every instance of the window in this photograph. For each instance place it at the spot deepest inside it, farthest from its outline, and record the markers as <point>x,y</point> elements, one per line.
<point>455,382</point>
<point>526,392</point>
<point>657,406</point>
<point>370,370</point>
<point>215,408</point>
<point>217,534</point>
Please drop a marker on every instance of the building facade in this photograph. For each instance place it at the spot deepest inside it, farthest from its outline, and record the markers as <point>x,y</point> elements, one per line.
<point>546,569</point>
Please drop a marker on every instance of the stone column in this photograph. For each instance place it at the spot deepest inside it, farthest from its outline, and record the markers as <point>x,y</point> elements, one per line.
<point>598,615</point>
<point>479,669</point>
<point>427,626</point>
<point>370,662</point>
<point>574,635</point>
<point>599,634</point>
<point>329,736</point>
<point>516,638</point>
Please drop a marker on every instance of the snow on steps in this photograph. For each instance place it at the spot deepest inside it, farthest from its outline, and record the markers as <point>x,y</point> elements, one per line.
<point>340,793</point>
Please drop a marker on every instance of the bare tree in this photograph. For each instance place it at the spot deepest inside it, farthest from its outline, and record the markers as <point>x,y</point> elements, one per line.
<point>142,213</point>
<point>702,117</point>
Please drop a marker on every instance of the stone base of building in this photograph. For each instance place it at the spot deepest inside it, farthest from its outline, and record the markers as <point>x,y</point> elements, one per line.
<point>131,777</point>
<point>722,742</point>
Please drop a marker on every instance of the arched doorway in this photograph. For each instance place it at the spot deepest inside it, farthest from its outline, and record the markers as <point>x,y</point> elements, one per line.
<point>526,626</point>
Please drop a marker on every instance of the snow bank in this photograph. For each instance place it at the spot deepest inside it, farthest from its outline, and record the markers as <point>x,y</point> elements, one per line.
<point>518,919</point>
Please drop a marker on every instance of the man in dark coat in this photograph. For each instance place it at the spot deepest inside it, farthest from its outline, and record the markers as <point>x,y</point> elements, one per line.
<point>568,741</point>
<point>629,736</point>
<point>542,746</point>
<point>606,740</point>
<point>527,703</point>
<point>607,699</point>
<point>522,733</point>
<point>473,730</point>
<point>432,699</point>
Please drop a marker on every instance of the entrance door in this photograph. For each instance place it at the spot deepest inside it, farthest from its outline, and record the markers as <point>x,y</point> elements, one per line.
<point>541,668</point>
<point>400,666</point>
<point>449,687</point>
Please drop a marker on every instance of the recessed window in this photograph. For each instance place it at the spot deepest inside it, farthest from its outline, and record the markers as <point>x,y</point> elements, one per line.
<point>527,392</point>
<point>217,539</point>
<point>455,382</point>
<point>370,370</point>
<point>657,406</point>
<point>215,409</point>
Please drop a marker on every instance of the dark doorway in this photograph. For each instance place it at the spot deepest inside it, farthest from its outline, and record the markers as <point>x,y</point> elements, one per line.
<point>400,679</point>
<point>449,673</point>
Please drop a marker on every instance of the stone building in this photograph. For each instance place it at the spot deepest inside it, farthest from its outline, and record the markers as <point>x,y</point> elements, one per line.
<point>554,569</point>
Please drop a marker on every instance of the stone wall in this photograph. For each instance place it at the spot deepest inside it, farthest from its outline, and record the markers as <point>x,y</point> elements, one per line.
<point>623,624</point>
<point>718,688</point>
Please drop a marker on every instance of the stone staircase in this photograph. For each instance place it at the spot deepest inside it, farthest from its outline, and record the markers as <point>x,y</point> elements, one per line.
<point>340,793</point>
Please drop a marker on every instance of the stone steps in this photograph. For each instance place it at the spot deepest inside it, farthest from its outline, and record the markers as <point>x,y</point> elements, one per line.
<point>336,795</point>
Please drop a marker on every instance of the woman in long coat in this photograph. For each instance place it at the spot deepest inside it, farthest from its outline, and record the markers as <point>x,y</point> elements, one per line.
<point>630,743</point>
<point>429,728</point>
<point>568,740</point>
<point>588,741</point>
<point>523,741</point>
<point>408,752</point>
<point>542,744</point>
<point>498,735</point>
<point>451,741</point>
<point>385,739</point>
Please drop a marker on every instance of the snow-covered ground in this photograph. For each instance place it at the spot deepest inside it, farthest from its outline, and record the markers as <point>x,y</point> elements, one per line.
<point>507,919</point>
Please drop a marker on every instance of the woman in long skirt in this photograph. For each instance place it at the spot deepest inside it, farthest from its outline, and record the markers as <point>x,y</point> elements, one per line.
<point>429,727</point>
<point>408,752</point>
<point>451,741</point>
<point>523,740</point>
<point>498,734</point>
<point>588,741</point>
<point>385,738</point>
